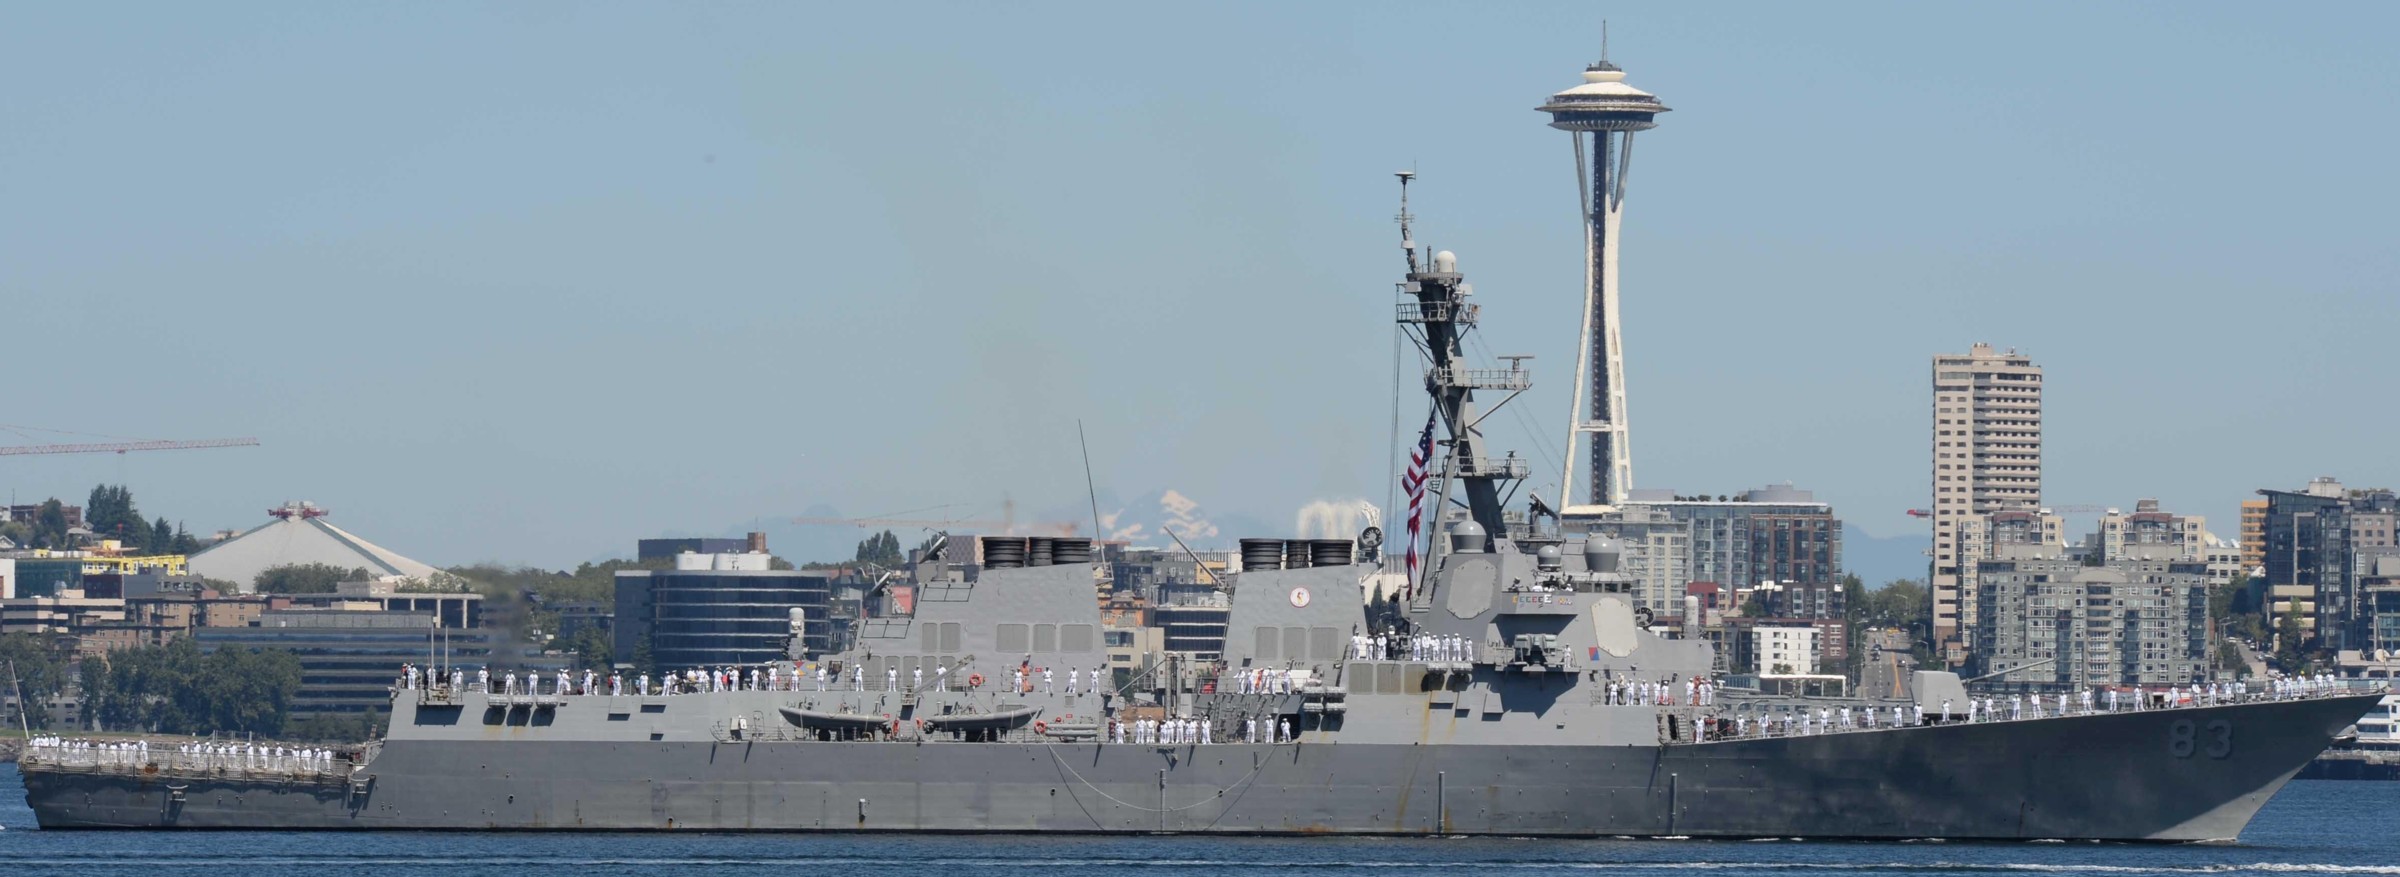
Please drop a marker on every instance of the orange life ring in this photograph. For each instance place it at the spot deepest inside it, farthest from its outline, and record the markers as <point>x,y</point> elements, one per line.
<point>1041,727</point>
<point>974,680</point>
<point>895,727</point>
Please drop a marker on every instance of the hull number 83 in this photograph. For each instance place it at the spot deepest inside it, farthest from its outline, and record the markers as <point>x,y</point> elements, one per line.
<point>2213,738</point>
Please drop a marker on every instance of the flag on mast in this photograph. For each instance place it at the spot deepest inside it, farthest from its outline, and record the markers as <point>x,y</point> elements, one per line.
<point>1413,481</point>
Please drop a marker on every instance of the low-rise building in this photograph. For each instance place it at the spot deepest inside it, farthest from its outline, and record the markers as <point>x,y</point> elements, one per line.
<point>157,618</point>
<point>68,612</point>
<point>668,548</point>
<point>350,659</point>
<point>715,610</point>
<point>1785,650</point>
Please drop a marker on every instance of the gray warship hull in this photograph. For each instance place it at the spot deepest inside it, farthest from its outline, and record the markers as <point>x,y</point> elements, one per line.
<point>2193,774</point>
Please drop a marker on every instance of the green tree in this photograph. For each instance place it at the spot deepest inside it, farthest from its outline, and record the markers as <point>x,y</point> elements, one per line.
<point>183,541</point>
<point>50,525</point>
<point>1902,604</point>
<point>306,578</point>
<point>591,647</point>
<point>39,673</point>
<point>175,689</point>
<point>2288,647</point>
<point>589,582</point>
<point>1854,593</point>
<point>110,514</point>
<point>881,549</point>
<point>643,662</point>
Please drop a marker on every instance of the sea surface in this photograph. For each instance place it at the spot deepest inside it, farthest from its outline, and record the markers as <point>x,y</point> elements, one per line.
<point>2313,827</point>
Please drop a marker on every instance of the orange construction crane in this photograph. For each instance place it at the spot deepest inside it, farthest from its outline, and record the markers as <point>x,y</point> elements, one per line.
<point>1007,523</point>
<point>997,527</point>
<point>122,447</point>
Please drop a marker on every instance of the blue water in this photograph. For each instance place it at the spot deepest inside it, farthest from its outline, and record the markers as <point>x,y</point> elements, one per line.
<point>2323,827</point>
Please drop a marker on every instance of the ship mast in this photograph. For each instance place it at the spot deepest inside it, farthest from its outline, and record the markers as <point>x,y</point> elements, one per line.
<point>1434,302</point>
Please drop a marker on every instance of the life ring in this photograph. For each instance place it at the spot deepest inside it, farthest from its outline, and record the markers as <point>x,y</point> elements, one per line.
<point>974,680</point>
<point>1041,727</point>
<point>920,725</point>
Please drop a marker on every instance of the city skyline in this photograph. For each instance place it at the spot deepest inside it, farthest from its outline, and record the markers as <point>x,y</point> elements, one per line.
<point>527,306</point>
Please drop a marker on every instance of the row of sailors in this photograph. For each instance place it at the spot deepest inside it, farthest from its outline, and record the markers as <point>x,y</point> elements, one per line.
<point>134,753</point>
<point>1686,692</point>
<point>770,678</point>
<point>1264,681</point>
<point>2021,706</point>
<point>2311,685</point>
<point>1179,732</point>
<point>1413,647</point>
<point>1824,720</point>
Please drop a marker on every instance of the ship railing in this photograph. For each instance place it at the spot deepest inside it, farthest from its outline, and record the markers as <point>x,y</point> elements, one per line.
<point>1505,379</point>
<point>537,700</point>
<point>1754,726</point>
<point>1486,467</point>
<point>1439,312</point>
<point>189,765</point>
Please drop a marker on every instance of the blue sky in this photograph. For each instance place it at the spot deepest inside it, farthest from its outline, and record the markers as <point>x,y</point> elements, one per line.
<point>524,282</point>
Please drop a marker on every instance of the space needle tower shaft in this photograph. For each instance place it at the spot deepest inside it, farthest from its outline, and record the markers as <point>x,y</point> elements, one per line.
<point>1601,116</point>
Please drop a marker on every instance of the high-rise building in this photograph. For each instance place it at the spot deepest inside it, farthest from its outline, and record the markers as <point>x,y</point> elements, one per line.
<point>2322,542</point>
<point>1602,115</point>
<point>2254,534</point>
<point>2127,604</point>
<point>2060,622</point>
<point>1987,457</point>
<point>2149,532</point>
<point>1777,533</point>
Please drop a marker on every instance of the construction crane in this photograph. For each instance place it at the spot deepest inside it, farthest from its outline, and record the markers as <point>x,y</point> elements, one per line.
<point>1006,524</point>
<point>1063,529</point>
<point>2074,509</point>
<point>122,447</point>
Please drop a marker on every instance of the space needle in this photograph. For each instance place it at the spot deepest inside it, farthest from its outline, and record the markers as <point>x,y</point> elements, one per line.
<point>1601,116</point>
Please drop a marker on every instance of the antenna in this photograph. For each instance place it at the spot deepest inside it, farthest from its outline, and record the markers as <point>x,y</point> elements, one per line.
<point>24,724</point>
<point>1088,489</point>
<point>1604,41</point>
<point>1195,556</point>
<point>1408,241</point>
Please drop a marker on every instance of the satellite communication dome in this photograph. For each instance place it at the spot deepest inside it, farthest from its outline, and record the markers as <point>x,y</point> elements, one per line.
<point>1469,537</point>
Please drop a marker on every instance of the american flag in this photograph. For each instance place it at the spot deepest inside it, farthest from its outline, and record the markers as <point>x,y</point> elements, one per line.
<point>1413,481</point>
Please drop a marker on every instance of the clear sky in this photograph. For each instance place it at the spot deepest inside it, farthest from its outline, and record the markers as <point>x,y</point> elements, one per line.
<point>527,281</point>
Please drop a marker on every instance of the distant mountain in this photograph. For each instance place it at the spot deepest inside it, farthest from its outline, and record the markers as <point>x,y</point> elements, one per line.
<point>1877,560</point>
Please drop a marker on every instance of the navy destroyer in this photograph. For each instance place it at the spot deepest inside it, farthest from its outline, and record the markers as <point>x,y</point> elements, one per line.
<point>1515,687</point>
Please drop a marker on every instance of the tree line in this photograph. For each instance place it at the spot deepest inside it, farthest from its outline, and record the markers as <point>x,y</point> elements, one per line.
<point>110,514</point>
<point>177,689</point>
